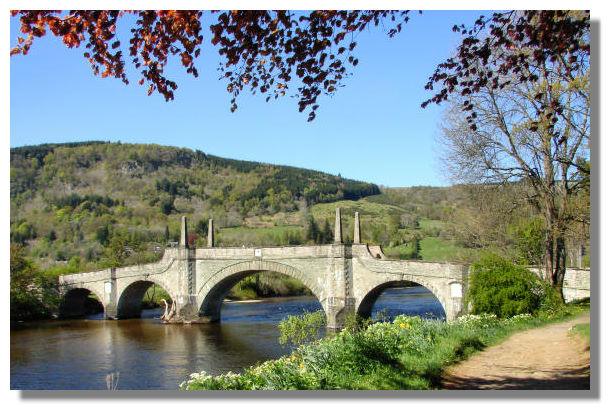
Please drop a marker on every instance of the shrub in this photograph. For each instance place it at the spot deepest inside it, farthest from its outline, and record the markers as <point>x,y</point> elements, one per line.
<point>408,353</point>
<point>32,295</point>
<point>302,329</point>
<point>497,286</point>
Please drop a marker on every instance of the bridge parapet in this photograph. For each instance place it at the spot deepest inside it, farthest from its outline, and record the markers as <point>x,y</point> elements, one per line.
<point>155,268</point>
<point>344,278</point>
<point>449,270</point>
<point>274,252</point>
<point>65,281</point>
<point>576,282</point>
<point>169,256</point>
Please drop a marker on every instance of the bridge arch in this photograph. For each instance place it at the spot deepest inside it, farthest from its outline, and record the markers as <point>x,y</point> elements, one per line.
<point>129,303</point>
<point>212,292</point>
<point>74,301</point>
<point>366,302</point>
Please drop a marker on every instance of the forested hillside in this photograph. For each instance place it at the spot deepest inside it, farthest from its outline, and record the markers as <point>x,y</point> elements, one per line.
<point>101,201</point>
<point>84,206</point>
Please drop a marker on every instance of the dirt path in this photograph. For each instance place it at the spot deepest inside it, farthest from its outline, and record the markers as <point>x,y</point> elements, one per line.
<point>547,357</point>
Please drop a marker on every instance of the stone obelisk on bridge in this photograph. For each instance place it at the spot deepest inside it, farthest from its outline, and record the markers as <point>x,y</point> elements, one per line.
<point>346,278</point>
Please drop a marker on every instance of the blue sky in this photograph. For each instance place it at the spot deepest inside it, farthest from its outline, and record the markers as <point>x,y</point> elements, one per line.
<point>373,129</point>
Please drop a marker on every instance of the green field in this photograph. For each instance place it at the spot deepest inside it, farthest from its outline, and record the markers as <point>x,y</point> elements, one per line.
<point>242,235</point>
<point>432,249</point>
<point>438,249</point>
<point>348,207</point>
<point>431,223</point>
<point>405,251</point>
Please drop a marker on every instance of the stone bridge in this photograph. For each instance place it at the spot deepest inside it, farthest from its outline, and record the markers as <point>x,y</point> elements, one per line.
<point>345,278</point>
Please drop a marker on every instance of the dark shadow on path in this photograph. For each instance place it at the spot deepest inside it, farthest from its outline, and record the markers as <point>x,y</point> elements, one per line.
<point>572,379</point>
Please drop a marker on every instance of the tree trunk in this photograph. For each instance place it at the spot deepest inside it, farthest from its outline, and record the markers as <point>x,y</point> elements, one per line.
<point>560,265</point>
<point>555,259</point>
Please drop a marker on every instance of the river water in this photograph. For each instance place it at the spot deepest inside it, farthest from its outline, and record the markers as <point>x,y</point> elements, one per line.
<point>79,354</point>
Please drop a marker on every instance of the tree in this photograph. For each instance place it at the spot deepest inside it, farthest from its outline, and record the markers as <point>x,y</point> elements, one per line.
<point>260,50</point>
<point>23,271</point>
<point>485,215</point>
<point>22,232</point>
<point>312,232</point>
<point>517,44</point>
<point>263,51</point>
<point>393,222</point>
<point>417,249</point>
<point>202,227</point>
<point>520,112</point>
<point>167,205</point>
<point>102,235</point>
<point>121,246</point>
<point>32,295</point>
<point>51,236</point>
<point>326,237</point>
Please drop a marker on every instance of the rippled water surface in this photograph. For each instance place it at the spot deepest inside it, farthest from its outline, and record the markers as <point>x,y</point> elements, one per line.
<point>79,354</point>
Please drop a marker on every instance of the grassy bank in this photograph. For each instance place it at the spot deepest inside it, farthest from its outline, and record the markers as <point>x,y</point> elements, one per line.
<point>267,284</point>
<point>583,331</point>
<point>408,353</point>
<point>260,285</point>
<point>153,297</point>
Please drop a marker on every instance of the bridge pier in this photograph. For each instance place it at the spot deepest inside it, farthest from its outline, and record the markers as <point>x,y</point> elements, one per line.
<point>346,279</point>
<point>187,309</point>
<point>338,311</point>
<point>110,296</point>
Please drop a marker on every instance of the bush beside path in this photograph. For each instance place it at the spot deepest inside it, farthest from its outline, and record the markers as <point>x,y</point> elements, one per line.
<point>548,357</point>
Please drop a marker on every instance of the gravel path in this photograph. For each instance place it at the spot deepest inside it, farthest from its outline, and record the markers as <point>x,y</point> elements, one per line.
<point>547,357</point>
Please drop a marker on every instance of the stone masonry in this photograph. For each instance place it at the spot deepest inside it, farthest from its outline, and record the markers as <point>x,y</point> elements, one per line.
<point>345,278</point>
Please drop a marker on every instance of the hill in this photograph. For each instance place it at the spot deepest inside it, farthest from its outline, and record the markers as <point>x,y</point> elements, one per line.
<point>75,200</point>
<point>85,206</point>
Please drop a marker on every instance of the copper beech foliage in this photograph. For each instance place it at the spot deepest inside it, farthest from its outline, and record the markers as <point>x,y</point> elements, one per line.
<point>156,35</point>
<point>261,51</point>
<point>513,46</point>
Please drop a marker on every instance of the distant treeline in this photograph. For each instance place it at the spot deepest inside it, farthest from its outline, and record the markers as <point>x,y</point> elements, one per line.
<point>287,183</point>
<point>96,204</point>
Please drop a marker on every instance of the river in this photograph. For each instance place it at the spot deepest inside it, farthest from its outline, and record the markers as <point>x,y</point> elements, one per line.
<point>79,354</point>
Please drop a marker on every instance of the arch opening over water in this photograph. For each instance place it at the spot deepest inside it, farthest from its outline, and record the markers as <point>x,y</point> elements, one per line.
<point>265,289</point>
<point>388,300</point>
<point>80,302</point>
<point>141,295</point>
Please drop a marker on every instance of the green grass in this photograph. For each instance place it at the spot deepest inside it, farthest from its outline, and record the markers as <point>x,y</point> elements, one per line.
<point>242,230</point>
<point>425,223</point>
<point>583,330</point>
<point>432,249</point>
<point>153,297</point>
<point>438,249</point>
<point>408,353</point>
<point>405,251</point>
<point>364,207</point>
<point>266,236</point>
<point>267,284</point>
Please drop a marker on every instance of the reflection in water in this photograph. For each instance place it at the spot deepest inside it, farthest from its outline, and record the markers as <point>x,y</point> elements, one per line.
<point>79,354</point>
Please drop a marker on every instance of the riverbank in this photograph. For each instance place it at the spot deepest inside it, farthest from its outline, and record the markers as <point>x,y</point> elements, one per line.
<point>408,353</point>
<point>257,300</point>
<point>265,285</point>
<point>549,357</point>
